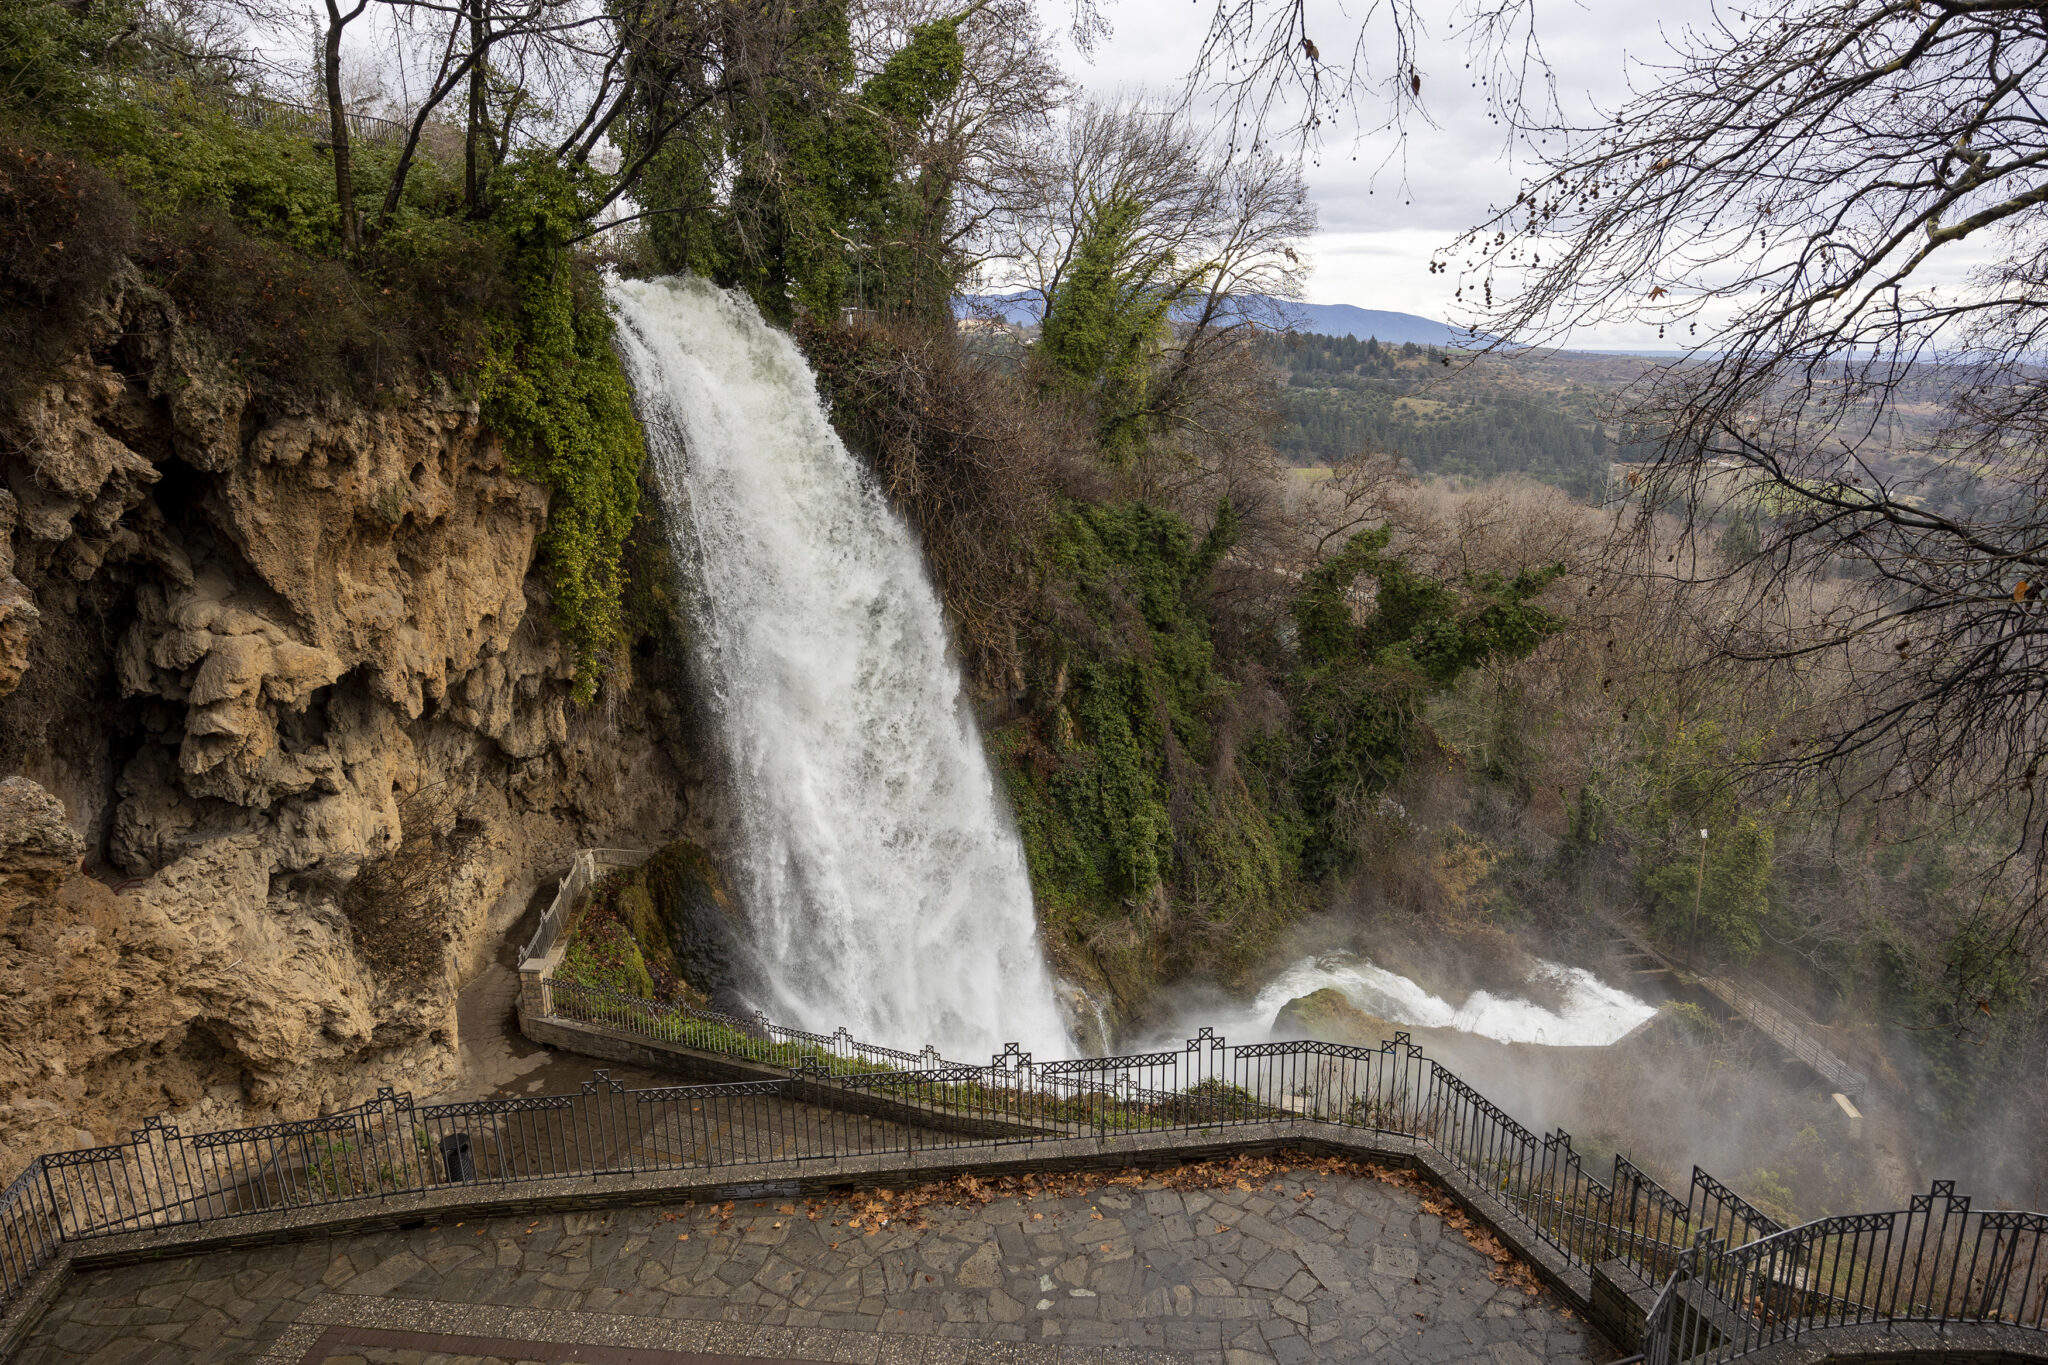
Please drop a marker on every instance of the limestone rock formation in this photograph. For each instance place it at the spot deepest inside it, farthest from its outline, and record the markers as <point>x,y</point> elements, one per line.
<point>287,739</point>
<point>37,849</point>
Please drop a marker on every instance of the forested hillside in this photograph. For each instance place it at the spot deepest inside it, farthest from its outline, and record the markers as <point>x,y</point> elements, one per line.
<point>1451,413</point>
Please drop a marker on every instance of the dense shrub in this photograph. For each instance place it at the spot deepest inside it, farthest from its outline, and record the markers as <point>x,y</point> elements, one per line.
<point>657,930</point>
<point>298,326</point>
<point>64,230</point>
<point>605,954</point>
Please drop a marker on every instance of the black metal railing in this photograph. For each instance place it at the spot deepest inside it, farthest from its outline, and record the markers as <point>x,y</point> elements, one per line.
<point>1937,1262</point>
<point>1965,1267</point>
<point>585,869</point>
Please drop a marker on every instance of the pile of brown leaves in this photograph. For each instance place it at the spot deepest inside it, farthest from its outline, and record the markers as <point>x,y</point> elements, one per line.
<point>874,1210</point>
<point>1505,1268</point>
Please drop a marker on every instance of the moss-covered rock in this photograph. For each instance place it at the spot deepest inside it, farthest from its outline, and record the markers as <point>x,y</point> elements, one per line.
<point>672,910</point>
<point>1328,1016</point>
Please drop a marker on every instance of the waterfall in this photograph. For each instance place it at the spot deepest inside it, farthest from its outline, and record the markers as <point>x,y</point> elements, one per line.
<point>882,885</point>
<point>1594,1013</point>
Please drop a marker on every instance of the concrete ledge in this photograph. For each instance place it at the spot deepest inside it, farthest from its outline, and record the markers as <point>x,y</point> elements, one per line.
<point>1956,1345</point>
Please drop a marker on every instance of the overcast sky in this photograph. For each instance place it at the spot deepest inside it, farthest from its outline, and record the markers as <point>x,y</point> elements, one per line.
<point>1382,218</point>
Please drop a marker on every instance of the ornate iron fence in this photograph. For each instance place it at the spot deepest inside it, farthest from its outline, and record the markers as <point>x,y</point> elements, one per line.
<point>1936,1262</point>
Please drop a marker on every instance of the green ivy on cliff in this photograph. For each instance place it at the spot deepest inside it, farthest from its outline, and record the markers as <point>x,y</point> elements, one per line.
<point>554,389</point>
<point>1115,781</point>
<point>1130,802</point>
<point>822,205</point>
<point>1360,686</point>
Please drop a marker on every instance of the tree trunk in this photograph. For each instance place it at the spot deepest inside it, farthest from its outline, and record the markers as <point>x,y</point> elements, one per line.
<point>337,118</point>
<point>472,190</point>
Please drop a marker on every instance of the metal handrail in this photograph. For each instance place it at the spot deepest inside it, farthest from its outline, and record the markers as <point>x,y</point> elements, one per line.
<point>582,874</point>
<point>1786,1026</point>
<point>1937,1262</point>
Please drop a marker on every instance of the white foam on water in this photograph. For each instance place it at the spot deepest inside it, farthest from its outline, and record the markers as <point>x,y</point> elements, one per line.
<point>884,887</point>
<point>1594,1014</point>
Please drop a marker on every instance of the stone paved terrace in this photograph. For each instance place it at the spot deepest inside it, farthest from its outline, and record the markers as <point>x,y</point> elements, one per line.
<point>1292,1265</point>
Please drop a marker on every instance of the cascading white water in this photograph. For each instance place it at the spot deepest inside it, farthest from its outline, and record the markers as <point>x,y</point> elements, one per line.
<point>1594,1013</point>
<point>884,888</point>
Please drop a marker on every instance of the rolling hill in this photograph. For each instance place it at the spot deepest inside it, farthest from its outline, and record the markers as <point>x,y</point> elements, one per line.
<point>1329,319</point>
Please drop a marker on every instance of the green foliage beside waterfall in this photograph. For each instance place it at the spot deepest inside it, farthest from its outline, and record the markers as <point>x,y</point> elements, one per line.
<point>1360,686</point>
<point>554,388</point>
<point>1145,787</point>
<point>824,202</point>
<point>1130,697</point>
<point>658,930</point>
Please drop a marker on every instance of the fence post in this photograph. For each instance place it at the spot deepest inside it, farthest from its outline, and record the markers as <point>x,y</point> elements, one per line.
<point>401,1144</point>
<point>155,1137</point>
<point>809,1071</point>
<point>50,1194</point>
<point>597,1095</point>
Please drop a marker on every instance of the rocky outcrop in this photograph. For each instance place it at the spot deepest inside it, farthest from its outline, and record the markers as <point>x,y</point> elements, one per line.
<point>250,659</point>
<point>37,849</point>
<point>1328,1016</point>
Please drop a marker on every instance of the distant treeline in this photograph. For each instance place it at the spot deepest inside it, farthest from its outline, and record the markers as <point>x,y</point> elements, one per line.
<point>1343,394</point>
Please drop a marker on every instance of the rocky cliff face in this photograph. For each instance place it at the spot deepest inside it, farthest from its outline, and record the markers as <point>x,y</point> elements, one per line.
<point>286,739</point>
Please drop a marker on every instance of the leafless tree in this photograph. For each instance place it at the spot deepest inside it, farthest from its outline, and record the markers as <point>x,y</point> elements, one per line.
<point>1259,221</point>
<point>1264,62</point>
<point>1219,231</point>
<point>1841,206</point>
<point>1129,148</point>
<point>576,80</point>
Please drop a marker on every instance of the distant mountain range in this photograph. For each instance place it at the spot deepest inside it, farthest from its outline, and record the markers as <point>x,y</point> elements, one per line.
<point>1343,319</point>
<point>1330,319</point>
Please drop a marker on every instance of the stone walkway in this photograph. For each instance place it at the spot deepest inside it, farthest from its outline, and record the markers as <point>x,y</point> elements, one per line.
<point>1296,1266</point>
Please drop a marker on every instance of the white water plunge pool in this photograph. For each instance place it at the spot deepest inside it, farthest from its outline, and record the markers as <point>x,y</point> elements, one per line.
<point>1593,1014</point>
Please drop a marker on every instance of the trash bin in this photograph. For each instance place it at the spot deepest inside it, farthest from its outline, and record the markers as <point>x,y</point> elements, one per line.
<point>458,1158</point>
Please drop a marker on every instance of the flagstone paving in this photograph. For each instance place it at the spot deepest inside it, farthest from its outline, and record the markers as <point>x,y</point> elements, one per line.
<point>1304,1266</point>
